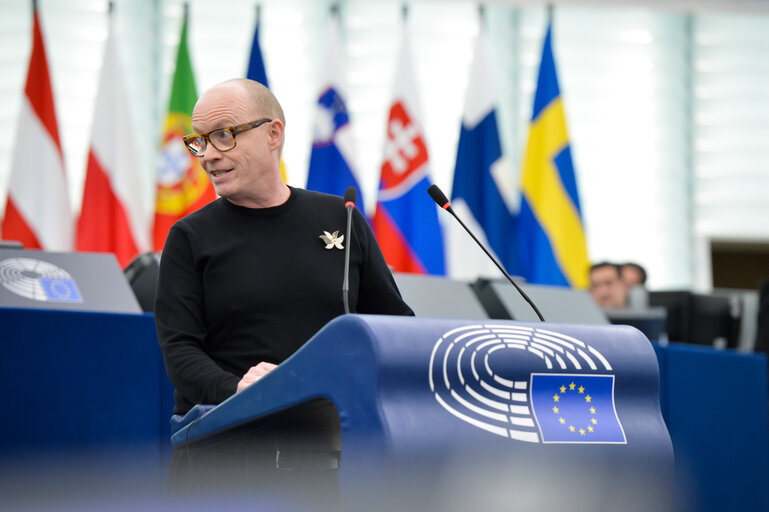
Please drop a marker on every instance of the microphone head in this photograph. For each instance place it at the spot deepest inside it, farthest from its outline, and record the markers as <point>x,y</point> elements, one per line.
<point>350,196</point>
<point>439,197</point>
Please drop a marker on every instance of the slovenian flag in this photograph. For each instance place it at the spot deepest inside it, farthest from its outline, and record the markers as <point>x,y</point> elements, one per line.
<point>483,193</point>
<point>406,220</point>
<point>550,233</point>
<point>331,159</point>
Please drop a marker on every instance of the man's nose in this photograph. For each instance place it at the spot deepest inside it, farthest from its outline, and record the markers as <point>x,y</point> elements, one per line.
<point>211,153</point>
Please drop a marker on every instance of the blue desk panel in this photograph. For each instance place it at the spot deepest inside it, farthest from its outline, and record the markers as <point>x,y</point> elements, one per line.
<point>81,382</point>
<point>715,406</point>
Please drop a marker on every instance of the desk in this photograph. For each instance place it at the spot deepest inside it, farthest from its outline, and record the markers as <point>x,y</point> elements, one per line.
<point>715,406</point>
<point>82,383</point>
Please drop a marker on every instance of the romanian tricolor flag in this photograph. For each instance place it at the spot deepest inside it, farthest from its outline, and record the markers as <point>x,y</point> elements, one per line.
<point>550,234</point>
<point>182,184</point>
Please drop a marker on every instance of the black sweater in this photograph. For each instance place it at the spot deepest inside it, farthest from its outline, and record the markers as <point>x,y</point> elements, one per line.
<point>240,285</point>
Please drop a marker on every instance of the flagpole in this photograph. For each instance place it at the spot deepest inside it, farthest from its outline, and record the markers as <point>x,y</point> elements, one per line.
<point>481,18</point>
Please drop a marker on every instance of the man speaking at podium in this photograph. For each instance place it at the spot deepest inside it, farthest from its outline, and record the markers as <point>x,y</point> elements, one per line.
<point>249,278</point>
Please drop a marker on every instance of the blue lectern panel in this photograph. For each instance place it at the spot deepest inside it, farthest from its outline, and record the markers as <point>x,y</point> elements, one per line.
<point>427,392</point>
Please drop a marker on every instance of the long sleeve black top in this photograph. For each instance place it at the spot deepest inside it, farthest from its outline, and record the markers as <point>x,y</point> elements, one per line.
<point>238,286</point>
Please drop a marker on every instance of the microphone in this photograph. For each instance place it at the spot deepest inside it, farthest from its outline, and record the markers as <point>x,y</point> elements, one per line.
<point>350,195</point>
<point>440,198</point>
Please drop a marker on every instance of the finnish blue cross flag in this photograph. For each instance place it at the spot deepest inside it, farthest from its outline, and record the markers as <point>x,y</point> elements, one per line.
<point>484,192</point>
<point>575,408</point>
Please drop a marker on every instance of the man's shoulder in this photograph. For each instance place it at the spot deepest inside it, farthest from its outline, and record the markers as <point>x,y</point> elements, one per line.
<point>319,198</point>
<point>203,214</point>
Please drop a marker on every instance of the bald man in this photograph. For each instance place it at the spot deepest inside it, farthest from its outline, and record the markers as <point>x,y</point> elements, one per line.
<point>249,278</point>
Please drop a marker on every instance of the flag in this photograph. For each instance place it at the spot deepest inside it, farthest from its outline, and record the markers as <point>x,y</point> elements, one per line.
<point>37,210</point>
<point>483,192</point>
<point>112,215</point>
<point>576,408</point>
<point>256,70</point>
<point>550,234</point>
<point>182,184</point>
<point>406,220</point>
<point>331,158</point>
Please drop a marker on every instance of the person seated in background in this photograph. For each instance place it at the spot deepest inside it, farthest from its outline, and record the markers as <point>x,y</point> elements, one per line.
<point>633,274</point>
<point>608,289</point>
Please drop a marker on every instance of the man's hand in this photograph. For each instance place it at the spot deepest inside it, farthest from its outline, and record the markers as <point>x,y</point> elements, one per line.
<point>254,374</point>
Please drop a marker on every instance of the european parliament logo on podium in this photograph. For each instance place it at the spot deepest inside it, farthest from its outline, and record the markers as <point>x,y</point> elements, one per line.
<point>573,404</point>
<point>38,280</point>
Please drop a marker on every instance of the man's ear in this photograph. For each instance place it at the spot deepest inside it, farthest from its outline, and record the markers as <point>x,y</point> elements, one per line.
<point>276,134</point>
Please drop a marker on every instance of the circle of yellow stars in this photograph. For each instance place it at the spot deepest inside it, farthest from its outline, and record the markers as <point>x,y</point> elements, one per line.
<point>583,430</point>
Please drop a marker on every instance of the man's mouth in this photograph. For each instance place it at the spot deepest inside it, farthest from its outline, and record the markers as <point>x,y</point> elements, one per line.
<point>218,173</point>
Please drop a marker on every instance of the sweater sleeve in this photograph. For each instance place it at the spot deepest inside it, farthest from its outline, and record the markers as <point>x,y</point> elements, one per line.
<point>179,319</point>
<point>378,293</point>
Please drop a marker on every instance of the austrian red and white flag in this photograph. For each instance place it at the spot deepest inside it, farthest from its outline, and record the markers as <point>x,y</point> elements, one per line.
<point>37,211</point>
<point>112,216</point>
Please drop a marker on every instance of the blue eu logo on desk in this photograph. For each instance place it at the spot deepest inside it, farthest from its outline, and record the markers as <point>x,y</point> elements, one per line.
<point>60,290</point>
<point>38,280</point>
<point>576,408</point>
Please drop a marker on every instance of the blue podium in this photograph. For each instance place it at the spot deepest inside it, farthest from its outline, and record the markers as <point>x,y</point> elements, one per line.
<point>432,414</point>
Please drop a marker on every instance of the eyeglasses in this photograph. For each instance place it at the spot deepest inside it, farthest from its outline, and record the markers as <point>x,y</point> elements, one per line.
<point>223,139</point>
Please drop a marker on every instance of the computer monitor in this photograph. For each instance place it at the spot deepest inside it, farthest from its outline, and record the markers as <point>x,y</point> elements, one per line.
<point>714,320</point>
<point>677,303</point>
<point>700,318</point>
<point>649,321</point>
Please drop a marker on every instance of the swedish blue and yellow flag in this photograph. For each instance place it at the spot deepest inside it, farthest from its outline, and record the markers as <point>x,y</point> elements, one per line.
<point>550,233</point>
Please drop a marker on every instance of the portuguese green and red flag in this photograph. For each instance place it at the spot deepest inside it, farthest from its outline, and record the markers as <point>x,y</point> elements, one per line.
<point>182,184</point>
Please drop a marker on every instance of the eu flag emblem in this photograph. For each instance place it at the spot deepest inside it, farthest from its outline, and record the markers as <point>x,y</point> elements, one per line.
<point>60,290</point>
<point>576,408</point>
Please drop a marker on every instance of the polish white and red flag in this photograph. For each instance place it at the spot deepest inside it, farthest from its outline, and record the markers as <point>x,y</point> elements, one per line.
<point>112,217</point>
<point>37,210</point>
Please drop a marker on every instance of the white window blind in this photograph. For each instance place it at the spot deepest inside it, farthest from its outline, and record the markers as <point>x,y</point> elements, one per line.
<point>731,131</point>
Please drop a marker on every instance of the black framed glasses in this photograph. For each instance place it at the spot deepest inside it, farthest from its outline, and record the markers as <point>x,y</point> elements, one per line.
<point>223,139</point>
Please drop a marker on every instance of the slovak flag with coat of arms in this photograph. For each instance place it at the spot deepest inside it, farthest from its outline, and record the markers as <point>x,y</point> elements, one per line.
<point>406,219</point>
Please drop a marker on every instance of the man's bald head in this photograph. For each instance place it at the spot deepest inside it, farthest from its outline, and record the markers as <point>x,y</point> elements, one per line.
<point>259,97</point>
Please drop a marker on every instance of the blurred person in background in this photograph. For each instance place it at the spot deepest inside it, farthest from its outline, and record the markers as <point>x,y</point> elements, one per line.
<point>608,289</point>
